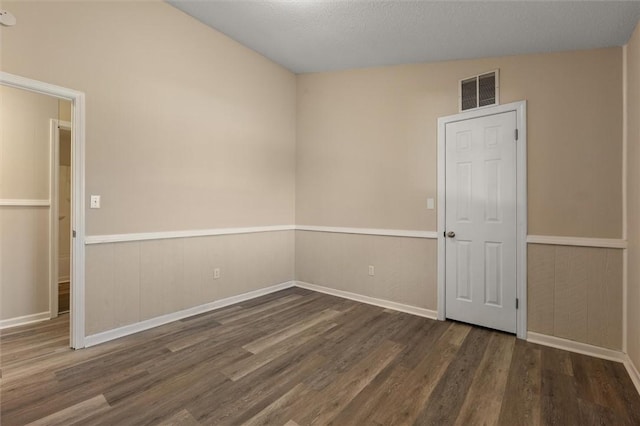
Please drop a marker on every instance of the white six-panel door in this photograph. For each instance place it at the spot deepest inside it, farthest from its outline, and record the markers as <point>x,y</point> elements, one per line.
<point>480,221</point>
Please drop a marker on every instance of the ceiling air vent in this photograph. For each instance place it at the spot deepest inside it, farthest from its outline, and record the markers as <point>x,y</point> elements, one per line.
<point>479,91</point>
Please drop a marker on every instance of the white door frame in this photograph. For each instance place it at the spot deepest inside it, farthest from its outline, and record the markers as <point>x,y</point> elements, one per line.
<point>77,305</point>
<point>54,211</point>
<point>521,206</point>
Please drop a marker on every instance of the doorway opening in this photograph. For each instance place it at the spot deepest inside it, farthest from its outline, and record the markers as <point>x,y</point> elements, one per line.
<point>61,194</point>
<point>34,195</point>
<point>482,217</point>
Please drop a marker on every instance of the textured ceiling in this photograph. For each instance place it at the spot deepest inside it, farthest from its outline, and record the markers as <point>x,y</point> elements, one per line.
<point>310,36</point>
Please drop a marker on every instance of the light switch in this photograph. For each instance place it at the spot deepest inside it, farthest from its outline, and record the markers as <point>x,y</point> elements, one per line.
<point>95,201</point>
<point>430,203</point>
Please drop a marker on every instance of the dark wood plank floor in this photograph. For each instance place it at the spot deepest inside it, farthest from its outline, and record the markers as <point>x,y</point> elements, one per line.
<point>299,357</point>
<point>64,296</point>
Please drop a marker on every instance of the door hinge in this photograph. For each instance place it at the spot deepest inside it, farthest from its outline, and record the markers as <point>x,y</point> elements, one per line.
<point>516,134</point>
<point>517,303</point>
<point>73,233</point>
<point>444,234</point>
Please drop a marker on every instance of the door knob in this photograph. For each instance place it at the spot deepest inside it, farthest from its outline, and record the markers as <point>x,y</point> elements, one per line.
<point>451,234</point>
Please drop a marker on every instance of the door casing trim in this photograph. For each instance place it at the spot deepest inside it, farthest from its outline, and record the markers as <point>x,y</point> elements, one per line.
<point>520,109</point>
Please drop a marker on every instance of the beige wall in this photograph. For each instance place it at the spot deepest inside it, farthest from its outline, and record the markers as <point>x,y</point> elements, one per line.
<point>633,196</point>
<point>24,268</point>
<point>64,108</point>
<point>186,129</point>
<point>405,268</point>
<point>366,157</point>
<point>24,159</point>
<point>366,153</point>
<point>24,175</point>
<point>576,293</point>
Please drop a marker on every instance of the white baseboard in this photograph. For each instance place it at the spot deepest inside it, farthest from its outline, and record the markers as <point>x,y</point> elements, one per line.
<point>633,372</point>
<point>24,320</point>
<point>126,330</point>
<point>108,335</point>
<point>573,346</point>
<point>422,312</point>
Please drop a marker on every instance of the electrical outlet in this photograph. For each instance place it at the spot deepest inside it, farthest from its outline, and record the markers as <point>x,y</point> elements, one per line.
<point>216,273</point>
<point>372,270</point>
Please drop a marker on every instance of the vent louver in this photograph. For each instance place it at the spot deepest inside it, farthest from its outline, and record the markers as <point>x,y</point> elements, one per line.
<point>479,91</point>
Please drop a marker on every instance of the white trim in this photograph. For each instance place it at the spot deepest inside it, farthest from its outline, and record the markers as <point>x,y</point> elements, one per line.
<point>521,217</point>
<point>77,322</point>
<point>117,238</point>
<point>530,239</point>
<point>577,241</point>
<point>116,333</point>
<point>15,202</point>
<point>521,205</point>
<point>633,371</point>
<point>77,302</point>
<point>625,176</point>
<point>573,346</point>
<point>370,231</point>
<point>422,312</point>
<point>441,170</point>
<point>18,82</point>
<point>24,320</point>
